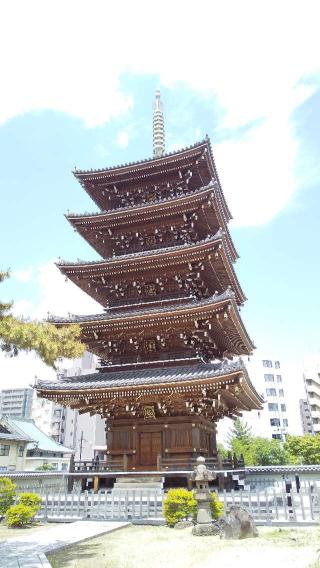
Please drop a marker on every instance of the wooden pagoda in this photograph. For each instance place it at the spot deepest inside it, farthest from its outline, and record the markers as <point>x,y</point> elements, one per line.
<point>171,335</point>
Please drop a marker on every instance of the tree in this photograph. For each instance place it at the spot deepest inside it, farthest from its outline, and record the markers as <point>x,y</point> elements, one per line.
<point>255,450</point>
<point>303,449</point>
<point>48,341</point>
<point>260,451</point>
<point>7,494</point>
<point>239,431</point>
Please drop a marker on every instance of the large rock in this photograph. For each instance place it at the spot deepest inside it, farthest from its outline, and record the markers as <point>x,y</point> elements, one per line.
<point>183,525</point>
<point>209,529</point>
<point>236,524</point>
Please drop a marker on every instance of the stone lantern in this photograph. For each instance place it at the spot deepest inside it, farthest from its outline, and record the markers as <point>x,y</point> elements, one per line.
<point>201,477</point>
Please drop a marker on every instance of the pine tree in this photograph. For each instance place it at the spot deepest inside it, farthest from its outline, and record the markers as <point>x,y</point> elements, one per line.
<point>49,342</point>
<point>239,431</point>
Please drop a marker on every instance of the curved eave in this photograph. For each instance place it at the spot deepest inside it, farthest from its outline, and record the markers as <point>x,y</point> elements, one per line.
<point>247,397</point>
<point>220,307</point>
<point>140,165</point>
<point>114,216</point>
<point>144,169</point>
<point>207,196</point>
<point>216,176</point>
<point>155,259</point>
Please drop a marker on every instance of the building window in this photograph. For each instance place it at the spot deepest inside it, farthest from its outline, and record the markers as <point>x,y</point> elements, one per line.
<point>285,422</point>
<point>269,378</point>
<point>271,392</point>
<point>279,379</point>
<point>274,422</point>
<point>281,393</point>
<point>277,364</point>
<point>276,436</point>
<point>21,451</point>
<point>283,408</point>
<point>267,363</point>
<point>4,449</point>
<point>272,406</point>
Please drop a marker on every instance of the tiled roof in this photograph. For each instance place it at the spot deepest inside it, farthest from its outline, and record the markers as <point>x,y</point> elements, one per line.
<point>32,432</point>
<point>261,470</point>
<point>215,299</point>
<point>143,376</point>
<point>110,213</point>
<point>134,255</point>
<point>145,161</point>
<point>13,433</point>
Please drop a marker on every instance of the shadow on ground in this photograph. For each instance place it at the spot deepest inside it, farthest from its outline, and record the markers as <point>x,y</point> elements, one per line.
<point>72,555</point>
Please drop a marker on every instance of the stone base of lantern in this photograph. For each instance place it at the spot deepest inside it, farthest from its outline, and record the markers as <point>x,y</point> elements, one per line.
<point>208,529</point>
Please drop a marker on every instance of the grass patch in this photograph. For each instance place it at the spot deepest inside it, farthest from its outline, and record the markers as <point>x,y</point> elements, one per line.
<point>161,547</point>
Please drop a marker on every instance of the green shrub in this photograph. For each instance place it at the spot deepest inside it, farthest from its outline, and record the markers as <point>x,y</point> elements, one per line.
<point>179,504</point>
<point>31,500</point>
<point>216,506</point>
<point>46,467</point>
<point>7,494</point>
<point>19,515</point>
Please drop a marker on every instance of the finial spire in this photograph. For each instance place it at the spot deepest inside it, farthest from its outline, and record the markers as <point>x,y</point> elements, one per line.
<point>158,127</point>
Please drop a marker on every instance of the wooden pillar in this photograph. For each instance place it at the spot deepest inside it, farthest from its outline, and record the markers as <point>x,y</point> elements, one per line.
<point>96,483</point>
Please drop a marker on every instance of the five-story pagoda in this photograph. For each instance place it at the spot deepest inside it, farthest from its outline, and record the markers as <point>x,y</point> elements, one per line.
<point>171,325</point>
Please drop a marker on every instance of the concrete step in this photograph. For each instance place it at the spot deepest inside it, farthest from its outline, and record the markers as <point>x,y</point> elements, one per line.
<point>140,479</point>
<point>139,483</point>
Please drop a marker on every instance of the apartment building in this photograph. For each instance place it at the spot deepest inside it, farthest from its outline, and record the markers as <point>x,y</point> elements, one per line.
<point>306,418</point>
<point>269,378</point>
<point>311,377</point>
<point>16,403</point>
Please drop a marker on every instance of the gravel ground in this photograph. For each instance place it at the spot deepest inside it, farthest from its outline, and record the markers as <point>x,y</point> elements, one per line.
<point>7,533</point>
<point>161,547</point>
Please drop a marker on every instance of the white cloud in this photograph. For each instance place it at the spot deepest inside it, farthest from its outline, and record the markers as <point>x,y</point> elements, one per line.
<point>253,59</point>
<point>257,171</point>
<point>23,275</point>
<point>52,294</point>
<point>123,139</point>
<point>21,371</point>
<point>55,295</point>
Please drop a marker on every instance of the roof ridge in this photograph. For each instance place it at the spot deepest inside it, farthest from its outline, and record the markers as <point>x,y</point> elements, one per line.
<point>76,171</point>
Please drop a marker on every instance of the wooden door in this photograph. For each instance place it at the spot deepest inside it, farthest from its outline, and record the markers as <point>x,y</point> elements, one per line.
<point>150,448</point>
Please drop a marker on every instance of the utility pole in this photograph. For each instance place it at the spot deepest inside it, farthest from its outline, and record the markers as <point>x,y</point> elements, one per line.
<point>81,442</point>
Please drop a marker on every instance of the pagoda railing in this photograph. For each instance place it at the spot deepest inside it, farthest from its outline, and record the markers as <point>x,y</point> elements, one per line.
<point>125,302</point>
<point>142,248</point>
<point>120,463</point>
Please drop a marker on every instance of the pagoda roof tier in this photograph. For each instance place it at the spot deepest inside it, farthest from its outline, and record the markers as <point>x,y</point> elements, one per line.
<point>198,157</point>
<point>224,386</point>
<point>218,315</point>
<point>97,228</point>
<point>96,277</point>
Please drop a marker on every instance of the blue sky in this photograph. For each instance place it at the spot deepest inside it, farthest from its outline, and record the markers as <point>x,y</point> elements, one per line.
<point>83,97</point>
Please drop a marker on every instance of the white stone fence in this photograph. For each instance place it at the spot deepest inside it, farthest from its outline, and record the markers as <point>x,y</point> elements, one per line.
<point>267,506</point>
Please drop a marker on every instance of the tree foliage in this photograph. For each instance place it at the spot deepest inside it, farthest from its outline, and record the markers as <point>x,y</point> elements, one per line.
<point>303,449</point>
<point>239,431</point>
<point>48,341</point>
<point>7,494</point>
<point>256,450</point>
